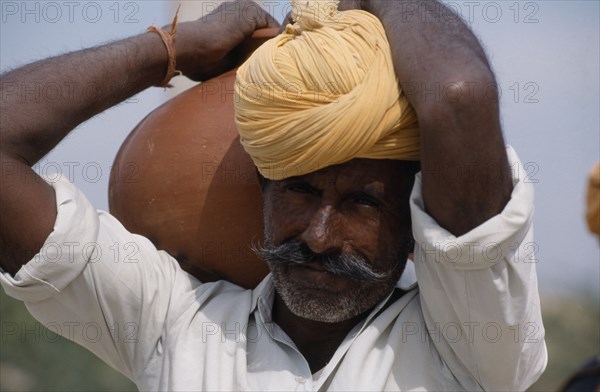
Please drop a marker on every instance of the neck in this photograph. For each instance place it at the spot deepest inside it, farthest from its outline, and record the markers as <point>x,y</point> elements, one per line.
<point>316,340</point>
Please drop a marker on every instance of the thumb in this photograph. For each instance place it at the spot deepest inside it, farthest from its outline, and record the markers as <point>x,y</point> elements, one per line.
<point>262,18</point>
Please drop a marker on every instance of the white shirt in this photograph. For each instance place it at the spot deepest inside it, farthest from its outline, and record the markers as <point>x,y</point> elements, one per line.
<point>473,323</point>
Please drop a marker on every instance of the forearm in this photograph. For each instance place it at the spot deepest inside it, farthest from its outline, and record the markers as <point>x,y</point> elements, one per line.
<point>91,81</point>
<point>95,79</point>
<point>430,44</point>
<point>83,83</point>
<point>446,77</point>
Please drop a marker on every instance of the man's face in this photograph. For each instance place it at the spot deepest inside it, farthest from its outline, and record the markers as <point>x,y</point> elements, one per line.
<point>336,240</point>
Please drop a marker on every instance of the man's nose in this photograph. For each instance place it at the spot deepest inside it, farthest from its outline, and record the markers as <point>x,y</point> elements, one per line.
<point>324,234</point>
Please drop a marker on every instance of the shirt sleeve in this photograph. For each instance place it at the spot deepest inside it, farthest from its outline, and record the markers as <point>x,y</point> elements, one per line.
<point>479,291</point>
<point>99,285</point>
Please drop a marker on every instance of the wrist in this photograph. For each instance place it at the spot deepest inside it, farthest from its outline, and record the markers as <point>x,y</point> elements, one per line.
<point>151,60</point>
<point>167,36</point>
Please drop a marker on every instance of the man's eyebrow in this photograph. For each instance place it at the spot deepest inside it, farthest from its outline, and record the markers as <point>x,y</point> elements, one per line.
<point>376,189</point>
<point>299,181</point>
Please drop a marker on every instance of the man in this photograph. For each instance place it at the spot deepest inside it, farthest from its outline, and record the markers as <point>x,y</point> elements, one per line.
<point>334,314</point>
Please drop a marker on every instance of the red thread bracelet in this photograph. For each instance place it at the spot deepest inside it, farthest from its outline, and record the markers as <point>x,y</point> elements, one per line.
<point>168,39</point>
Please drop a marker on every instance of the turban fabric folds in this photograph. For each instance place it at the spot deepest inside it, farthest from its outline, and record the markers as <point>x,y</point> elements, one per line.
<point>593,201</point>
<point>322,93</point>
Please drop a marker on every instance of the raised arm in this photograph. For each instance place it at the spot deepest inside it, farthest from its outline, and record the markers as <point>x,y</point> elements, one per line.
<point>116,71</point>
<point>444,72</point>
<point>466,181</point>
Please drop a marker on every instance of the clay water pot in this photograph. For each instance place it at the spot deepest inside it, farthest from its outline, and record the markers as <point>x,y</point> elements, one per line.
<point>182,179</point>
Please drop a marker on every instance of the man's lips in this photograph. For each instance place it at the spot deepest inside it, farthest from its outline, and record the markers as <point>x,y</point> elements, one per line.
<point>313,276</point>
<point>314,265</point>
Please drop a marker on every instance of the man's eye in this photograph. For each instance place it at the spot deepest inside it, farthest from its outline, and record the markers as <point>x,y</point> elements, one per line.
<point>366,200</point>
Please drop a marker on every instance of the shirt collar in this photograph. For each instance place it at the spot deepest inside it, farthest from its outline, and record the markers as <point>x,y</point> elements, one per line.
<point>265,293</point>
<point>408,280</point>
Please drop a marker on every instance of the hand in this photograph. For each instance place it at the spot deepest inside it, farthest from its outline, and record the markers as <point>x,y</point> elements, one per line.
<point>211,46</point>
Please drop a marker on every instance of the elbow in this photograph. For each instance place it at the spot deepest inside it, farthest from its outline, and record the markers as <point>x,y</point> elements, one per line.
<point>469,93</point>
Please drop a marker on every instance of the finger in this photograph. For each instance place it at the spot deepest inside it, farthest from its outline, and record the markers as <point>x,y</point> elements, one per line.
<point>255,13</point>
<point>271,21</point>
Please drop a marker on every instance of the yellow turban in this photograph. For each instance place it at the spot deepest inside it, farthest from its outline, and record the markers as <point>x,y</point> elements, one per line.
<point>593,201</point>
<point>322,93</point>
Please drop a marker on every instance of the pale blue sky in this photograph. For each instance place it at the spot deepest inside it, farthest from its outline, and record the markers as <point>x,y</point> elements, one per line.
<point>545,55</point>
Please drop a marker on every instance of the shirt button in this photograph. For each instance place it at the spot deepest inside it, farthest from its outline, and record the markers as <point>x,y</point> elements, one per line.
<point>300,379</point>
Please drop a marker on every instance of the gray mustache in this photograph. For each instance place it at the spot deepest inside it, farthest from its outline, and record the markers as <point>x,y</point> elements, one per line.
<point>297,252</point>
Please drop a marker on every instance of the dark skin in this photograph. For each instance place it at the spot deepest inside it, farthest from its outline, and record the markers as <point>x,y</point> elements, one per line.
<point>30,129</point>
<point>462,134</point>
<point>357,207</point>
<point>459,130</point>
<point>465,171</point>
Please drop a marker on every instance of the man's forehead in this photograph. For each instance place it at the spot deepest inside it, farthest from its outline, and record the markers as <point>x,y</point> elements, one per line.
<point>361,168</point>
<point>375,174</point>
